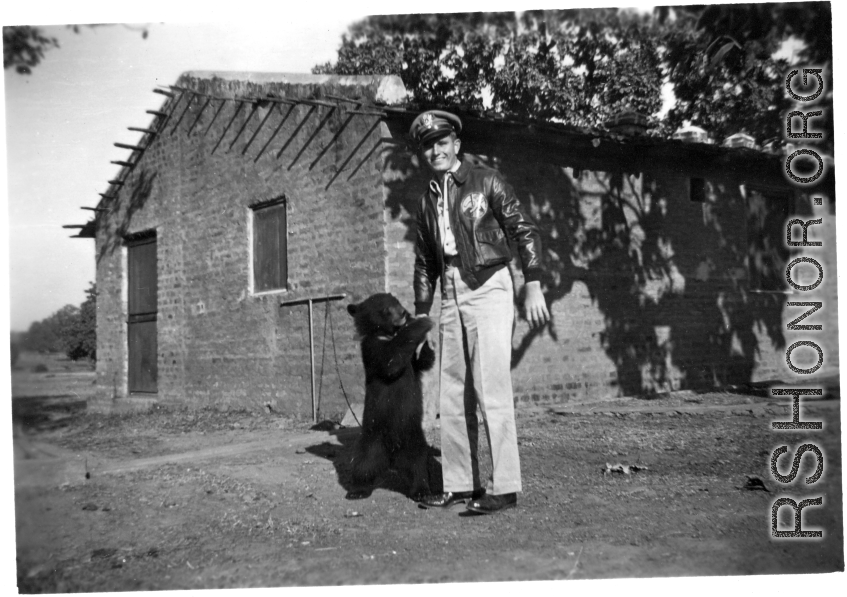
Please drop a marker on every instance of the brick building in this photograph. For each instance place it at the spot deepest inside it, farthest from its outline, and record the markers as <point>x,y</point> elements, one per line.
<point>250,194</point>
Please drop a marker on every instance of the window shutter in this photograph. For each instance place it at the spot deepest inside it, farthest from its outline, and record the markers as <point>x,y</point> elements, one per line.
<point>270,248</point>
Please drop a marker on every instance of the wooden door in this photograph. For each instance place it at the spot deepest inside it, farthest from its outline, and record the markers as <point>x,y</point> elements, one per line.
<point>143,300</point>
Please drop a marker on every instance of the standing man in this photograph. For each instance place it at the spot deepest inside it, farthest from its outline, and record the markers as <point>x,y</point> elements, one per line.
<point>463,222</point>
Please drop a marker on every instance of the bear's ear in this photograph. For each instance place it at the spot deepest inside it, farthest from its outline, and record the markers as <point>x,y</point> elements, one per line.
<point>352,309</point>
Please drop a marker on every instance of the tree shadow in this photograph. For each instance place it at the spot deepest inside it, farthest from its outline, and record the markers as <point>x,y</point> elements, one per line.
<point>675,271</point>
<point>340,454</point>
<point>119,220</point>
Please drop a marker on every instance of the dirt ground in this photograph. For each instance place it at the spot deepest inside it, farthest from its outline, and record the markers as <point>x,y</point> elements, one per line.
<point>177,499</point>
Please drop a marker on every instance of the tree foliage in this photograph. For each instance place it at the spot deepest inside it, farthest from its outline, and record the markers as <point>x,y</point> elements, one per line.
<point>727,91</point>
<point>720,61</point>
<point>71,330</point>
<point>46,335</point>
<point>582,66</point>
<point>768,24</point>
<point>24,46</point>
<point>79,334</point>
<point>574,66</point>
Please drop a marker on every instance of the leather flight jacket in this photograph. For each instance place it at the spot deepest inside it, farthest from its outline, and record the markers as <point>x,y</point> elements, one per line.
<point>484,215</point>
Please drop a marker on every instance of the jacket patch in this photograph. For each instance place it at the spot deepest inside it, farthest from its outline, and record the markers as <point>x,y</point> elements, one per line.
<point>474,205</point>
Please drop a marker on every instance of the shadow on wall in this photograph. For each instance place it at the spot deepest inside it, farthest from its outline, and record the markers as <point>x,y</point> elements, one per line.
<point>671,277</point>
<point>139,193</point>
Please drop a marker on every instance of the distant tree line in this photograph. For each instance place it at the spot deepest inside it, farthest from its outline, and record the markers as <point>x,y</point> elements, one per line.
<point>70,330</point>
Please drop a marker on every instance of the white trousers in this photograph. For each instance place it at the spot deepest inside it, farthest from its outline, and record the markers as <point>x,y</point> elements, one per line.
<point>476,352</point>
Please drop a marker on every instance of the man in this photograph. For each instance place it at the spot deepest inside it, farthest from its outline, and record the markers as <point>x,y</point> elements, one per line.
<point>464,220</point>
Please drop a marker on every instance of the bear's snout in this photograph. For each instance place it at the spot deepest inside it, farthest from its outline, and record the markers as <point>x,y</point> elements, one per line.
<point>400,320</point>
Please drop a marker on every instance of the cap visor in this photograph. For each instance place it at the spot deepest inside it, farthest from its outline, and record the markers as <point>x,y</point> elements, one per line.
<point>432,136</point>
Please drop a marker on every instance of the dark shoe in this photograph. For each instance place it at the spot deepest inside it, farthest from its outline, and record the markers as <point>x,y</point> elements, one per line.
<point>489,504</point>
<point>448,498</point>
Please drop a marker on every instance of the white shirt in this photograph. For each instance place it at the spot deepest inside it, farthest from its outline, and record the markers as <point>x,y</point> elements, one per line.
<point>448,240</point>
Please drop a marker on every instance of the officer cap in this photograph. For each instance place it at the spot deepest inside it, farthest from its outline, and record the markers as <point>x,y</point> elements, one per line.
<point>432,125</point>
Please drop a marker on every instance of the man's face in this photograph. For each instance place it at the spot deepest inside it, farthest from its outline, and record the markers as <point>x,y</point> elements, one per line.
<point>441,155</point>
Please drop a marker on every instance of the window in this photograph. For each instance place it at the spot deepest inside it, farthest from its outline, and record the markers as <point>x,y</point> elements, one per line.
<point>270,246</point>
<point>697,190</point>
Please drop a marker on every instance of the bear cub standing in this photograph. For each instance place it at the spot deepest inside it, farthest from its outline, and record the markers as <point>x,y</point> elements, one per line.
<point>392,436</point>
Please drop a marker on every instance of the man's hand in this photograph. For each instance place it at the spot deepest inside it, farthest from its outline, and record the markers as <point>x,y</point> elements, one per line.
<point>535,305</point>
<point>426,341</point>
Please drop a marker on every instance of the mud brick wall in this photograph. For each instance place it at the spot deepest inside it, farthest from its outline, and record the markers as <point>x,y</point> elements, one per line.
<point>219,343</point>
<point>652,286</point>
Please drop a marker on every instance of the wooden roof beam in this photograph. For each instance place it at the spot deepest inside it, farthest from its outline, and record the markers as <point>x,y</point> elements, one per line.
<point>226,129</point>
<point>279,100</point>
<point>244,126</point>
<point>313,102</point>
<point>341,98</point>
<point>215,117</point>
<point>132,147</point>
<point>365,112</point>
<point>276,130</point>
<point>259,128</point>
<point>199,115</point>
<point>184,111</point>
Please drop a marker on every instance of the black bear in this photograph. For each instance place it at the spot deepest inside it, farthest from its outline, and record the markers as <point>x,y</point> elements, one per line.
<point>391,436</point>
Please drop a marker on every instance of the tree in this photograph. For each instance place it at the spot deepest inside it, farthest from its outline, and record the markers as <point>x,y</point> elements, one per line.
<point>582,66</point>
<point>71,329</point>
<point>720,61</point>
<point>79,333</point>
<point>24,46</point>
<point>743,25</point>
<point>576,66</point>
<point>723,92</point>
